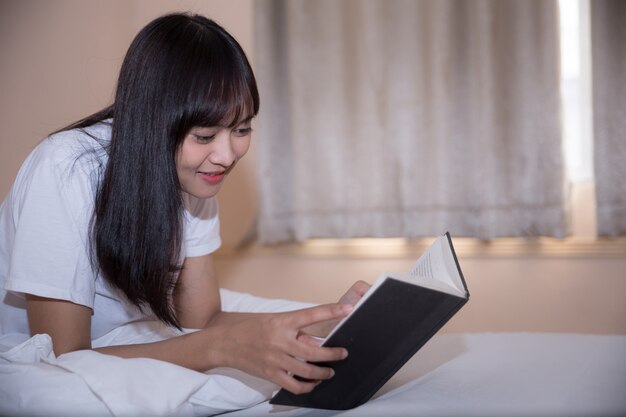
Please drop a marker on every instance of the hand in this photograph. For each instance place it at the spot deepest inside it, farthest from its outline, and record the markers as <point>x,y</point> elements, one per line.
<point>351,297</point>
<point>273,347</point>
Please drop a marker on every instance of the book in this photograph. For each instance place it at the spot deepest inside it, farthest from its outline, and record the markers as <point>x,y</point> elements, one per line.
<point>389,324</point>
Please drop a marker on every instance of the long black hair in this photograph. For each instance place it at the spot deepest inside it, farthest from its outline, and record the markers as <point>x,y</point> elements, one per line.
<point>180,71</point>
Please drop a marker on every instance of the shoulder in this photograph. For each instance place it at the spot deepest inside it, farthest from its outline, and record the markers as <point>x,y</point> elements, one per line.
<point>74,144</point>
<point>69,160</point>
<point>70,154</point>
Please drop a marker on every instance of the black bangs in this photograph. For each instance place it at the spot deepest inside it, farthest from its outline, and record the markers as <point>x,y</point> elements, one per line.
<point>225,102</point>
<point>219,86</point>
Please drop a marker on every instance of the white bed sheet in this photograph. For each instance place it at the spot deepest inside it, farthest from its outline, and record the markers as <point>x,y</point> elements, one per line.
<point>500,374</point>
<point>497,374</point>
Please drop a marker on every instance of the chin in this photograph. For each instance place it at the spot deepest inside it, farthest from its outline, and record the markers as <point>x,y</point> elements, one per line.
<point>200,189</point>
<point>204,194</point>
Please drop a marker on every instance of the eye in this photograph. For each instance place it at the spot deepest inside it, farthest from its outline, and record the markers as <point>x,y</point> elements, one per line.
<point>242,131</point>
<point>204,139</point>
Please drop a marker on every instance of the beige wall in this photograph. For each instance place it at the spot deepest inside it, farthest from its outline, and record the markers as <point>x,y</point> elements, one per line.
<point>508,293</point>
<point>59,61</point>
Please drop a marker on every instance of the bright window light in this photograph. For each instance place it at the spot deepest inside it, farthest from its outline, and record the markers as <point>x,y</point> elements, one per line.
<point>576,89</point>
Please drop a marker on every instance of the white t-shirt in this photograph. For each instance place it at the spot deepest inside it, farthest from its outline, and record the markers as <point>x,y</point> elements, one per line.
<point>44,223</point>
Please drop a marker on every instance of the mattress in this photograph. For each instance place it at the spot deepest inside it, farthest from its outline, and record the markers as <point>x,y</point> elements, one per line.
<point>473,374</point>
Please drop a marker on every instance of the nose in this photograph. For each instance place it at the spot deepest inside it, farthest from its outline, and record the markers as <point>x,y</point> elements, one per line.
<point>222,153</point>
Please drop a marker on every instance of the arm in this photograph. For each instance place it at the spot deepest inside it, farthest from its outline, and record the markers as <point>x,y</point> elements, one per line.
<point>265,345</point>
<point>196,296</point>
<point>270,346</point>
<point>69,326</point>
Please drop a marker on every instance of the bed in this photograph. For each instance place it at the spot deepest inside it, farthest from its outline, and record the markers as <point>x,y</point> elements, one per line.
<point>485,374</point>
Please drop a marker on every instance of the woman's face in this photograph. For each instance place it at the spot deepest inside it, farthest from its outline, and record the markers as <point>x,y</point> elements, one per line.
<point>208,154</point>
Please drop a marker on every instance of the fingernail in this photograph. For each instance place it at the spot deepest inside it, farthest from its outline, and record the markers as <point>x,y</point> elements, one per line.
<point>344,354</point>
<point>332,373</point>
<point>346,308</point>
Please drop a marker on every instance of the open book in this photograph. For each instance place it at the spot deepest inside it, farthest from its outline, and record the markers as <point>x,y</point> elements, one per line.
<point>390,323</point>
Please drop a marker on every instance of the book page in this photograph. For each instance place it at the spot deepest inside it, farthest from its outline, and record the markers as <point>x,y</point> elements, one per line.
<point>435,269</point>
<point>438,264</point>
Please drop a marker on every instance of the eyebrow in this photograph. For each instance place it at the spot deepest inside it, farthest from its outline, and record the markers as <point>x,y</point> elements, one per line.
<point>230,125</point>
<point>237,122</point>
<point>247,119</point>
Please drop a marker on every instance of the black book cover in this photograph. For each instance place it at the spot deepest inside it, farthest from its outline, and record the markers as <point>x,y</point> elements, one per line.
<point>381,336</point>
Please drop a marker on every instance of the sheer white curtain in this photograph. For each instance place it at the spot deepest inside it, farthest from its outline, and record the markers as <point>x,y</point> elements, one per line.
<point>608,51</point>
<point>408,118</point>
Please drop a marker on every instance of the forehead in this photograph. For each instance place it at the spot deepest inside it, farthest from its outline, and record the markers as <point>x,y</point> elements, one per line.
<point>241,122</point>
<point>230,122</point>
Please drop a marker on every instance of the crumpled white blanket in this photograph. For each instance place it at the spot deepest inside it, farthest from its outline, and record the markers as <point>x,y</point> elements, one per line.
<point>33,382</point>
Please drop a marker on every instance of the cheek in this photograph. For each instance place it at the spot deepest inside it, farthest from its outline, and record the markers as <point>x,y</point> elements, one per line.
<point>241,147</point>
<point>179,163</point>
<point>188,159</point>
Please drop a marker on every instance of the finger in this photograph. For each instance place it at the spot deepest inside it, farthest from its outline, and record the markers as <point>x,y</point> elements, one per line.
<point>360,287</point>
<point>291,384</point>
<point>355,292</point>
<point>307,371</point>
<point>312,315</point>
<point>311,353</point>
<point>310,340</point>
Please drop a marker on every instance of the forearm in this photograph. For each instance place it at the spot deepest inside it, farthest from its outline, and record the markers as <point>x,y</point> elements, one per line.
<point>224,318</point>
<point>267,345</point>
<point>317,329</point>
<point>198,350</point>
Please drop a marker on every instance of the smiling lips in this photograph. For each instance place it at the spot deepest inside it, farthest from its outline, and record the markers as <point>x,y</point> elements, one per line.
<point>212,177</point>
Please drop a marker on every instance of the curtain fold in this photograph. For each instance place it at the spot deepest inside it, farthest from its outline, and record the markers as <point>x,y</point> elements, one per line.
<point>408,119</point>
<point>608,51</point>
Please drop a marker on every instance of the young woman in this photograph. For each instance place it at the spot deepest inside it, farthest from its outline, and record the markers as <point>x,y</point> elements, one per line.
<point>113,219</point>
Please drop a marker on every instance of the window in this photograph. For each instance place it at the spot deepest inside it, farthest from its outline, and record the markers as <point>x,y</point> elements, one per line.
<point>576,100</point>
<point>577,115</point>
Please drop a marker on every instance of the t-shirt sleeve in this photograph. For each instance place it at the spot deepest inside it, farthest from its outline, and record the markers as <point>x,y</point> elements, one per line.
<point>202,226</point>
<point>51,203</point>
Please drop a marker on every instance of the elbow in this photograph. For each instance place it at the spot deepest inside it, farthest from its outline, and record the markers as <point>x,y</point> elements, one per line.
<point>59,347</point>
<point>199,321</point>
